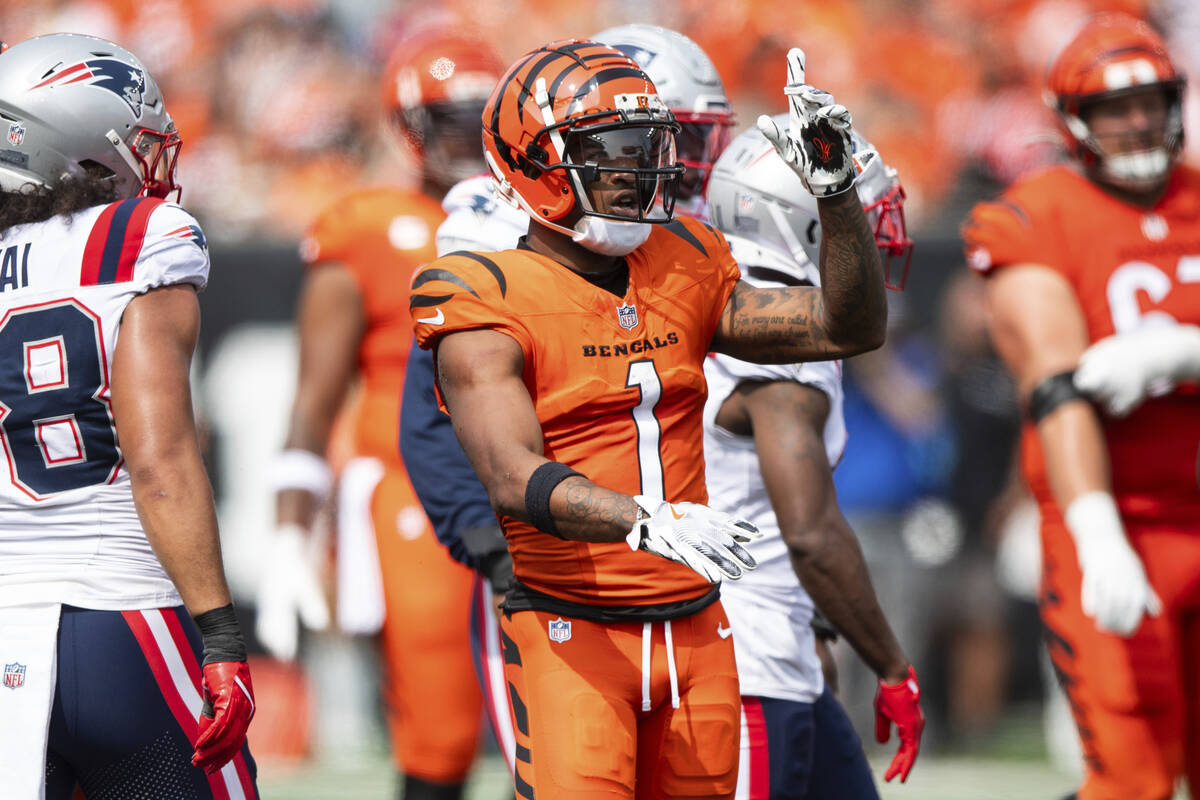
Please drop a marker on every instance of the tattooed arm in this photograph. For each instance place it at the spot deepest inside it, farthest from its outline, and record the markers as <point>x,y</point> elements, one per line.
<point>847,315</point>
<point>479,373</point>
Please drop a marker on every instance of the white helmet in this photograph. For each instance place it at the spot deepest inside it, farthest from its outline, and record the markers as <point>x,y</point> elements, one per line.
<point>753,195</point>
<point>79,106</point>
<point>689,85</point>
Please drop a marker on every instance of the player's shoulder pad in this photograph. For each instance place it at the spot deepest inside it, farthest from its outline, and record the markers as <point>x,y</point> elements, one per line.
<point>1004,230</point>
<point>473,194</point>
<point>697,235</point>
<point>146,240</point>
<point>478,274</point>
<point>407,220</point>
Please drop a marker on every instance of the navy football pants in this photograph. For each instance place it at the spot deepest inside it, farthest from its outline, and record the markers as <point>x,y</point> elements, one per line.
<point>804,751</point>
<point>125,708</point>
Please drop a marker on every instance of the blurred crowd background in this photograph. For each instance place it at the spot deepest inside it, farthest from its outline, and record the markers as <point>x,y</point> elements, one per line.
<point>277,102</point>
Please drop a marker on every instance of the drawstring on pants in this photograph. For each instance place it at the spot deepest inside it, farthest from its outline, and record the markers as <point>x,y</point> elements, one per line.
<point>672,671</point>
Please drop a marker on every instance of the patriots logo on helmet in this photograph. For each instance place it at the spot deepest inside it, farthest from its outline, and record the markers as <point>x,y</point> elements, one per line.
<point>122,79</point>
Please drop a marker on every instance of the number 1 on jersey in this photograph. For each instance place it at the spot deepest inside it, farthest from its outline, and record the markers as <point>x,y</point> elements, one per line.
<point>644,376</point>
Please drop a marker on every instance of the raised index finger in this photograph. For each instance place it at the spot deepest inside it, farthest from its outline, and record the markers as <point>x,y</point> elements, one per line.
<point>795,68</point>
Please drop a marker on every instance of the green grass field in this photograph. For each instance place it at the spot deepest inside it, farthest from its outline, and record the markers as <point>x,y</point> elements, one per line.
<point>933,778</point>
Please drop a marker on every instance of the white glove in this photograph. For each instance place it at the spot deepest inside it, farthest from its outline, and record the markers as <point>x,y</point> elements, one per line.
<point>1116,592</point>
<point>1123,370</point>
<point>817,143</point>
<point>289,593</point>
<point>696,536</point>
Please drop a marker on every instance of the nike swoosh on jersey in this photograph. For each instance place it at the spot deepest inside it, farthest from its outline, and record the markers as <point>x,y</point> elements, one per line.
<point>724,633</point>
<point>436,319</point>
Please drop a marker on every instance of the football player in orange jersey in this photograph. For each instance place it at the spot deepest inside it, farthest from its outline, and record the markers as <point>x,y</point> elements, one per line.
<point>352,322</point>
<point>1110,245</point>
<point>571,367</point>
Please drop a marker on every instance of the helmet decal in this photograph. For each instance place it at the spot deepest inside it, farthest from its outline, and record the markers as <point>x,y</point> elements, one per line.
<point>122,79</point>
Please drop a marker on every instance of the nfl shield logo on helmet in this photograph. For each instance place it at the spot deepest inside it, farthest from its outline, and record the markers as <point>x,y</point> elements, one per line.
<point>560,630</point>
<point>627,316</point>
<point>16,133</point>
<point>14,674</point>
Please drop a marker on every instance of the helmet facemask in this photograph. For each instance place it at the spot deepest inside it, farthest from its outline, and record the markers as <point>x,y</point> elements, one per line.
<point>702,136</point>
<point>1135,159</point>
<point>154,155</point>
<point>623,172</point>
<point>446,135</point>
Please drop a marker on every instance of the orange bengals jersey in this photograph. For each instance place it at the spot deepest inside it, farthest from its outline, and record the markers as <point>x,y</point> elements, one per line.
<point>381,236</point>
<point>617,383</point>
<point>1128,267</point>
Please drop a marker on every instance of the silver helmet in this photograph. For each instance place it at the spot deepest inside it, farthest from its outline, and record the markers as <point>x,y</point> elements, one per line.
<point>753,195</point>
<point>79,106</point>
<point>689,84</point>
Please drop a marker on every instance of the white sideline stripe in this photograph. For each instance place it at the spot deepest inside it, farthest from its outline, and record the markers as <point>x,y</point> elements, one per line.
<point>186,689</point>
<point>494,666</point>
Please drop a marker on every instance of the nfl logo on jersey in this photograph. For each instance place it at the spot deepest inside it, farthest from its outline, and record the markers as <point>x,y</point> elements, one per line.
<point>14,674</point>
<point>560,630</point>
<point>627,316</point>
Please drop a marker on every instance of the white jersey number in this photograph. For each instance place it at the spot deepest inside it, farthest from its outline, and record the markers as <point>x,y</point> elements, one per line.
<point>1136,278</point>
<point>54,413</point>
<point>644,376</point>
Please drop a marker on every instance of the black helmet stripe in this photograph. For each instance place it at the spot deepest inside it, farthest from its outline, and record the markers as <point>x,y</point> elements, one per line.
<point>530,78</point>
<point>562,76</point>
<point>608,75</point>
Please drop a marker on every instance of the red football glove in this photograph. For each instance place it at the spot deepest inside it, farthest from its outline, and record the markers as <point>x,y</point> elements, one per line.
<point>900,703</point>
<point>228,709</point>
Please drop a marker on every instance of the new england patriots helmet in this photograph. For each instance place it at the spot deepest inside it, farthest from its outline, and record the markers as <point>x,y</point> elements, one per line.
<point>689,85</point>
<point>78,106</point>
<point>755,198</point>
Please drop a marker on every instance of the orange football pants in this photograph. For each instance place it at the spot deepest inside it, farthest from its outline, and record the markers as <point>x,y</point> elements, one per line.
<point>1136,701</point>
<point>433,700</point>
<point>596,714</point>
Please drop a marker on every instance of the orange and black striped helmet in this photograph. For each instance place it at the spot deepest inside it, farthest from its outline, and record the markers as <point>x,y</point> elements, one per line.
<point>435,85</point>
<point>569,112</point>
<point>1113,55</point>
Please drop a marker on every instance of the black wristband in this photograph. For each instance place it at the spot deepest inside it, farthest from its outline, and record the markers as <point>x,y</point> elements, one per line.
<point>537,494</point>
<point>221,635</point>
<point>1052,393</point>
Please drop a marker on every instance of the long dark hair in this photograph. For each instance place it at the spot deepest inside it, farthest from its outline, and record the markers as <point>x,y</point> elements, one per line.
<point>38,203</point>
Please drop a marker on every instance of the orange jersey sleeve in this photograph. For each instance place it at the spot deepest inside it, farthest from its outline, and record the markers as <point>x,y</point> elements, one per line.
<point>1128,267</point>
<point>1018,227</point>
<point>617,384</point>
<point>380,236</point>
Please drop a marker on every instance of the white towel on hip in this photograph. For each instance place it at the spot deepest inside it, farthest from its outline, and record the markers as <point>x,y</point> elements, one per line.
<point>28,652</point>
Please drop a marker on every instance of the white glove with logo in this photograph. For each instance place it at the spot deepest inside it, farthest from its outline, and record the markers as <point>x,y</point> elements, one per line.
<point>817,143</point>
<point>289,593</point>
<point>1123,370</point>
<point>1116,592</point>
<point>708,541</point>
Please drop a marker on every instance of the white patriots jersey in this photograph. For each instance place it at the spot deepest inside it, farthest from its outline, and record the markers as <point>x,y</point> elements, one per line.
<point>69,532</point>
<point>478,220</point>
<point>768,609</point>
